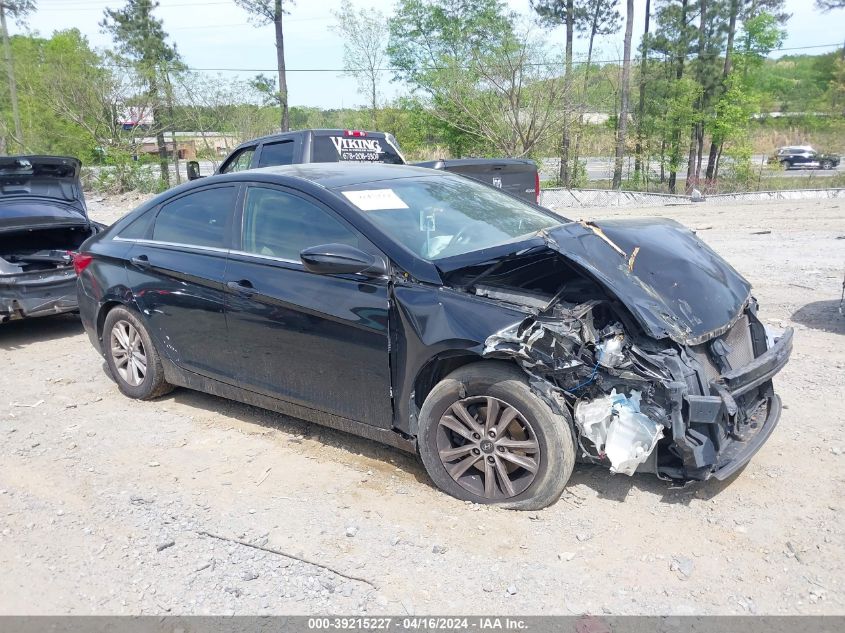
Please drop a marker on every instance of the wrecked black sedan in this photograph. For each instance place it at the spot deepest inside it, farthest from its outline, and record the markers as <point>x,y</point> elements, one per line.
<point>436,314</point>
<point>42,219</point>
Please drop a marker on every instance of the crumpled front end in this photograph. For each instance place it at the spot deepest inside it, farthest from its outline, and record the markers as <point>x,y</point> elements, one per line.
<point>682,411</point>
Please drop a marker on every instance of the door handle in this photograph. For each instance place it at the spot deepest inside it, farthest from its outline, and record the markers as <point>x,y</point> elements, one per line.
<point>141,261</point>
<point>242,287</point>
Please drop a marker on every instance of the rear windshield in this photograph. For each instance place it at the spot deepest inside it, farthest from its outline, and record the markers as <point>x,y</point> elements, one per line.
<point>357,149</point>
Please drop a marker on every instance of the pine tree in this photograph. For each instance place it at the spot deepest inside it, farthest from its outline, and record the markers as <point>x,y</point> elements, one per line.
<point>140,38</point>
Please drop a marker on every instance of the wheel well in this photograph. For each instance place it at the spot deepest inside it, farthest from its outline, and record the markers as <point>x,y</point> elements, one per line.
<point>101,317</point>
<point>436,370</point>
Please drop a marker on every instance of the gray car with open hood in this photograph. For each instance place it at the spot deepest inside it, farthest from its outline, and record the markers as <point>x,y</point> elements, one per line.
<point>43,218</point>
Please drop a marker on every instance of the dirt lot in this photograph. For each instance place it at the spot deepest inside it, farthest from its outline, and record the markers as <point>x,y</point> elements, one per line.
<point>106,504</point>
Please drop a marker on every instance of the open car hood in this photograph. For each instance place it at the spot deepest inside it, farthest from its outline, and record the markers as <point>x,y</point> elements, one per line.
<point>43,181</point>
<point>673,283</point>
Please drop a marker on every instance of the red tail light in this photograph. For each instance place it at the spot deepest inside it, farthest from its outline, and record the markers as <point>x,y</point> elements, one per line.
<point>537,185</point>
<point>80,261</point>
<point>354,133</point>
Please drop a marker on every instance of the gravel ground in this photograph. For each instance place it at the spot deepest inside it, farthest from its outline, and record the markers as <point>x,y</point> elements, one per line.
<point>112,506</point>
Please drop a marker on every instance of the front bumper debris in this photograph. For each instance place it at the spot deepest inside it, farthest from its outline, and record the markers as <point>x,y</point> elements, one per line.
<point>738,453</point>
<point>742,380</point>
<point>702,410</point>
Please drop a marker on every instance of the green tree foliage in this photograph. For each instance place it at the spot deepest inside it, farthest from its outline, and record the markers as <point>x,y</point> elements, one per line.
<point>364,53</point>
<point>698,40</point>
<point>68,96</point>
<point>435,43</point>
<point>428,36</point>
<point>140,41</point>
<point>740,101</point>
<point>17,10</point>
<point>479,74</point>
<point>481,83</point>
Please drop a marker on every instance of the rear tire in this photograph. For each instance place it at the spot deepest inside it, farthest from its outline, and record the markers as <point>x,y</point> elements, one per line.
<point>131,356</point>
<point>522,454</point>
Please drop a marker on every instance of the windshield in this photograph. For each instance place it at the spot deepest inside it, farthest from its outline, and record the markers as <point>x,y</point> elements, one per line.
<point>443,216</point>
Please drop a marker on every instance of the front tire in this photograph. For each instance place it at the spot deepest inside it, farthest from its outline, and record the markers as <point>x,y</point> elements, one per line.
<point>131,356</point>
<point>785,164</point>
<point>485,437</point>
<point>827,164</point>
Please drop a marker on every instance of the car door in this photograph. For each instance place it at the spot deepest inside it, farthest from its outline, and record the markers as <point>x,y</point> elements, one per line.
<point>320,341</point>
<point>801,157</point>
<point>177,274</point>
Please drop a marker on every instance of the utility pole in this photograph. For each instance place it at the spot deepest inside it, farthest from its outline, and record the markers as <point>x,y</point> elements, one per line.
<point>10,71</point>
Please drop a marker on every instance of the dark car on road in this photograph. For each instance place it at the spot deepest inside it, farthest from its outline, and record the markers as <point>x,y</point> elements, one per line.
<point>43,218</point>
<point>804,157</point>
<point>436,314</point>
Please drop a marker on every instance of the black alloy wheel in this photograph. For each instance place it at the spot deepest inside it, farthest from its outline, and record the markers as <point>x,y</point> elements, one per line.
<point>488,447</point>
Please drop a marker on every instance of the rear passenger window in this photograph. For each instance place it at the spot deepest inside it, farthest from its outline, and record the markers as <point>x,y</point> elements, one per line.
<point>197,219</point>
<point>278,224</point>
<point>276,154</point>
<point>137,229</point>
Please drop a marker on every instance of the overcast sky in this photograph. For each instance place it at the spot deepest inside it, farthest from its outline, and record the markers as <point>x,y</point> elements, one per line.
<point>217,34</point>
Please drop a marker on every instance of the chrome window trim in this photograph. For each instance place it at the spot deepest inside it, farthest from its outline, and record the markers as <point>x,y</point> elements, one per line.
<point>268,257</point>
<point>226,251</point>
<point>197,247</point>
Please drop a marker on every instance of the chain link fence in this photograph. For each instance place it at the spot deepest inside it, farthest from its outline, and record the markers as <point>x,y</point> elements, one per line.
<point>554,198</point>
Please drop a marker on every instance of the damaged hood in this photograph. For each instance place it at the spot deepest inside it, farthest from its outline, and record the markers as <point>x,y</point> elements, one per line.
<point>41,188</point>
<point>673,283</point>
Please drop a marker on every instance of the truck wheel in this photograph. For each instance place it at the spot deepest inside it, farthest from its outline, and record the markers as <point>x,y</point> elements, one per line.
<point>827,164</point>
<point>785,164</point>
<point>132,358</point>
<point>485,437</point>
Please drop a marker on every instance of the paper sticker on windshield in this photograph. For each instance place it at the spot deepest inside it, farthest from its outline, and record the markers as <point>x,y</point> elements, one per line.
<point>375,199</point>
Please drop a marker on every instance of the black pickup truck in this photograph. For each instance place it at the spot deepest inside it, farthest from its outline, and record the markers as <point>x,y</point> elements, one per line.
<point>517,176</point>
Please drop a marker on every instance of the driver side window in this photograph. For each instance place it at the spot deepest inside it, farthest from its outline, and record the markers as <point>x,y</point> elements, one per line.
<point>278,224</point>
<point>241,161</point>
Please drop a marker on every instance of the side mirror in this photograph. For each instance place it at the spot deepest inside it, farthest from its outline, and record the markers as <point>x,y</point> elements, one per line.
<point>193,170</point>
<point>341,259</point>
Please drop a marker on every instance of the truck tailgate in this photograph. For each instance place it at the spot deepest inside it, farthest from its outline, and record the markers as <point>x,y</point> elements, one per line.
<point>517,176</point>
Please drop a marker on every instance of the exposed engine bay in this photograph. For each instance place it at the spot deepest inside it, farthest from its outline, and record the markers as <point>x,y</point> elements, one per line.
<point>679,410</point>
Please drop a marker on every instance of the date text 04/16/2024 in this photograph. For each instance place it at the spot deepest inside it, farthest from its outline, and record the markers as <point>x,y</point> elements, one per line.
<point>417,624</point>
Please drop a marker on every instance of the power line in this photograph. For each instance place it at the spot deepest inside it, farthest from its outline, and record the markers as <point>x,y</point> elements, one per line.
<point>231,24</point>
<point>431,68</point>
<point>92,6</point>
